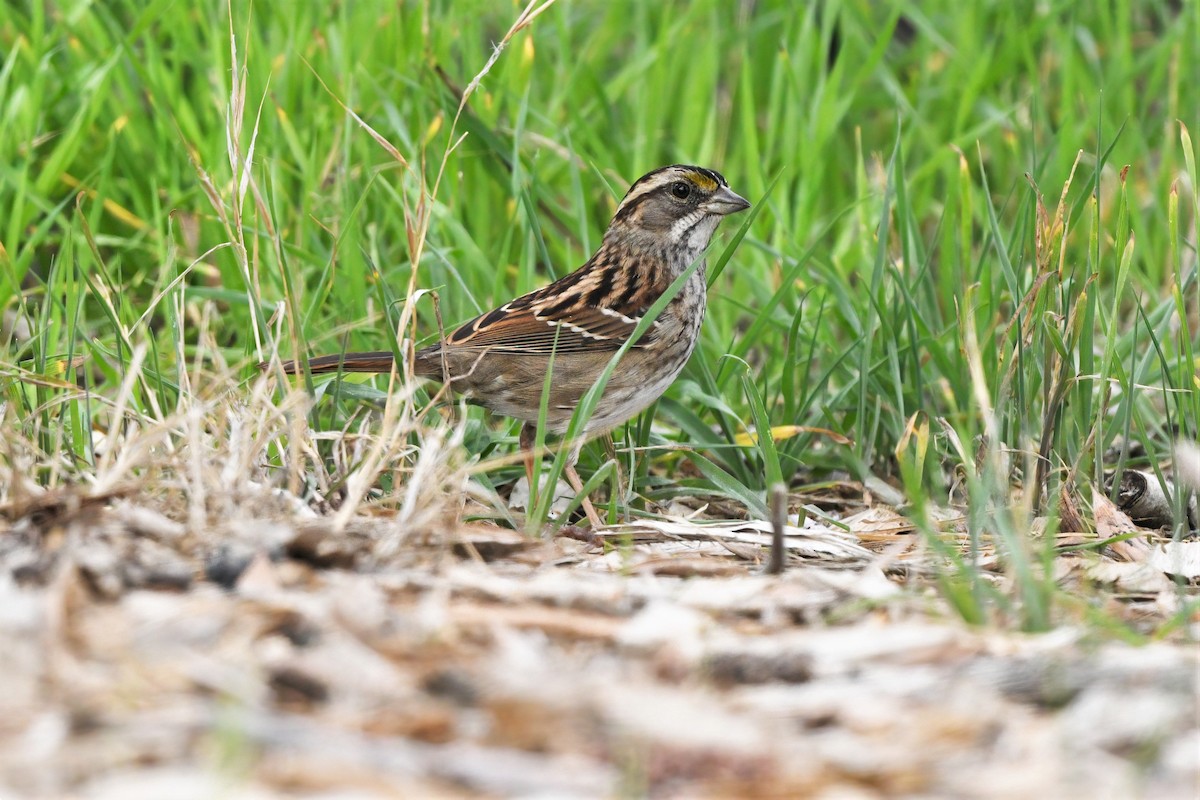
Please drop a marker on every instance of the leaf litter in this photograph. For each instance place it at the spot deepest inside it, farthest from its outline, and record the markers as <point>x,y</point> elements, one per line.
<point>250,646</point>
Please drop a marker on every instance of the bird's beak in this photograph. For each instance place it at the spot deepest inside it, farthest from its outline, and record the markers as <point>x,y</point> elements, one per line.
<point>726,201</point>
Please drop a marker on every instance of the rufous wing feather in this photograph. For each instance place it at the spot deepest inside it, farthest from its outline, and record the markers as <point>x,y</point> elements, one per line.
<point>541,322</point>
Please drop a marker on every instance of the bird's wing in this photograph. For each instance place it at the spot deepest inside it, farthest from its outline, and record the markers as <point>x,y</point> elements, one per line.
<point>582,312</point>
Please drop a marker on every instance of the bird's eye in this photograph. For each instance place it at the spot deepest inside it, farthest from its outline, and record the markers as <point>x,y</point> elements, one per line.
<point>681,190</point>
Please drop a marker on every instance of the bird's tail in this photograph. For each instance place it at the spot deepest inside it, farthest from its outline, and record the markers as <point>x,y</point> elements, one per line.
<point>379,361</point>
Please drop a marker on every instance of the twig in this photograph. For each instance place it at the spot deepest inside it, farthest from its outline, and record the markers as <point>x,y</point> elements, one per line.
<point>778,521</point>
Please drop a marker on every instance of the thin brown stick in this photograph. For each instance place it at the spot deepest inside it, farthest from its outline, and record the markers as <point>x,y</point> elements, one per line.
<point>778,521</point>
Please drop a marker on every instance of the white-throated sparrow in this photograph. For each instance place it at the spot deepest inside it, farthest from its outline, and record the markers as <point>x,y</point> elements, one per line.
<point>500,359</point>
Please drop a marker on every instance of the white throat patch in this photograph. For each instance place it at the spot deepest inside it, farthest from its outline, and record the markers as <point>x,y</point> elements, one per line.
<point>701,225</point>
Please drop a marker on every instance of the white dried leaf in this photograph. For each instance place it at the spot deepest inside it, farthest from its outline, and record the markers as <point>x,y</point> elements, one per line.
<point>1177,558</point>
<point>1134,577</point>
<point>812,541</point>
<point>518,498</point>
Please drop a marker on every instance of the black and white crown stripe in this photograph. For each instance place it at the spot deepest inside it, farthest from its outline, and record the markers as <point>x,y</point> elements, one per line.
<point>666,176</point>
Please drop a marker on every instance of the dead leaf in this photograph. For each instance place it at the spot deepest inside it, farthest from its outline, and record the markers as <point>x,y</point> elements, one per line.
<point>1177,558</point>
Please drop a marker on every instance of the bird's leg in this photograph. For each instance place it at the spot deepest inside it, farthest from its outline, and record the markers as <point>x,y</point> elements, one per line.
<point>588,508</point>
<point>577,485</point>
<point>610,451</point>
<point>527,440</point>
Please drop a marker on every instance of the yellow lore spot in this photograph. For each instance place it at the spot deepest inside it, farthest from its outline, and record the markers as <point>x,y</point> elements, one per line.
<point>703,181</point>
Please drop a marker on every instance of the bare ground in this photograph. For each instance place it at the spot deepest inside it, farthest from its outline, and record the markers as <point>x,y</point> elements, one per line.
<point>274,657</point>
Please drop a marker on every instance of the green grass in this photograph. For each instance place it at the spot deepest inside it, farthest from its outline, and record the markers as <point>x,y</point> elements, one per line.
<point>976,229</point>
